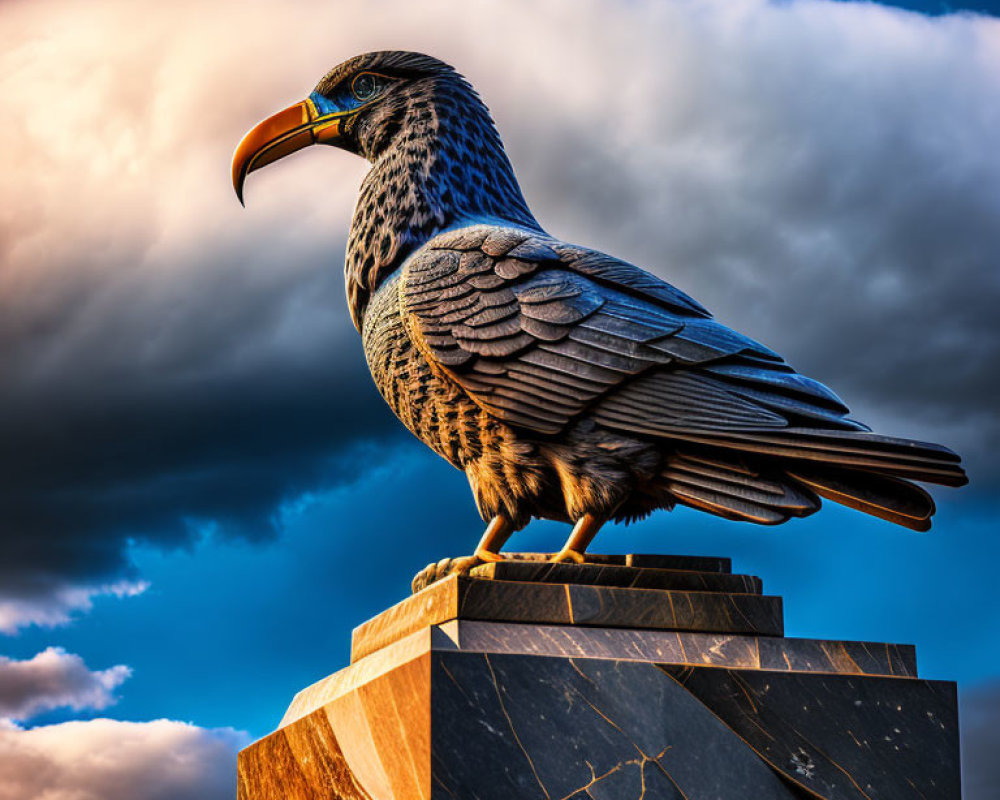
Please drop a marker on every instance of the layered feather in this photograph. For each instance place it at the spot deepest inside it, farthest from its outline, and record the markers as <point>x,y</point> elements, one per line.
<point>540,334</point>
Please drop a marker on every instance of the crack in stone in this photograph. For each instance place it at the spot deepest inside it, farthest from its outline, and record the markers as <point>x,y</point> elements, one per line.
<point>457,684</point>
<point>735,606</point>
<point>742,686</point>
<point>644,758</point>
<point>632,762</point>
<point>670,778</point>
<point>510,723</point>
<point>443,785</point>
<point>581,673</point>
<point>854,663</point>
<point>758,726</point>
<point>595,778</point>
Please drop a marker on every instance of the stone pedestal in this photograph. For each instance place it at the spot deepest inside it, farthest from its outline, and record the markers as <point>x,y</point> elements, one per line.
<point>634,677</point>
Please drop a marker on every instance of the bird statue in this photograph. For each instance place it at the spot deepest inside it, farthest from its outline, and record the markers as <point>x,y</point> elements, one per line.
<point>566,383</point>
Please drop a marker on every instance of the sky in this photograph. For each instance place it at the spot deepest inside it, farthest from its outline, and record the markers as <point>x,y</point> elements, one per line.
<point>201,492</point>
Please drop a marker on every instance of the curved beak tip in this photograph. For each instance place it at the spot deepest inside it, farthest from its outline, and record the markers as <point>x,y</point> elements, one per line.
<point>274,138</point>
<point>239,177</point>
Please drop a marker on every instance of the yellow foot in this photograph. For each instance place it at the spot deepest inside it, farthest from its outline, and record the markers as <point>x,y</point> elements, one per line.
<point>442,569</point>
<point>488,555</point>
<point>565,555</point>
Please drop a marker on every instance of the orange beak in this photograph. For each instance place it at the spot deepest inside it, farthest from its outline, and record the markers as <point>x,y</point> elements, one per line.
<point>276,137</point>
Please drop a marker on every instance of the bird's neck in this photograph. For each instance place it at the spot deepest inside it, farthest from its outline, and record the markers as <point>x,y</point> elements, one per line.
<point>445,167</point>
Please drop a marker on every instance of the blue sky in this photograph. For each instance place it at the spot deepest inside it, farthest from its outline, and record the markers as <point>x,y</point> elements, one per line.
<point>203,485</point>
<point>937,7</point>
<point>276,617</point>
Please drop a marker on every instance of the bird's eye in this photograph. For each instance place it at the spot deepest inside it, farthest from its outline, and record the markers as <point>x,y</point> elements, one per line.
<point>365,86</point>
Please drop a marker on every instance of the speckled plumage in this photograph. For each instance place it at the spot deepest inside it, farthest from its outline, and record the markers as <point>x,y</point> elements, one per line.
<point>565,382</point>
<point>436,159</point>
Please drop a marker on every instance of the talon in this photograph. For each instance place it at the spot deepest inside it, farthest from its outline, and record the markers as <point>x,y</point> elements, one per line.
<point>424,578</point>
<point>497,532</point>
<point>443,569</point>
<point>566,555</point>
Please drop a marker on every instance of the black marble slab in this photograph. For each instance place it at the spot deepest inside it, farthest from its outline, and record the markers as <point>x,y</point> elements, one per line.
<point>679,647</point>
<point>618,575</point>
<point>867,658</point>
<point>461,597</point>
<point>841,737</point>
<point>490,726</point>
<point>540,729</point>
<point>622,644</point>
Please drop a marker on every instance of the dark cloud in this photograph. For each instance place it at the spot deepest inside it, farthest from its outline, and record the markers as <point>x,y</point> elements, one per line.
<point>830,190</point>
<point>821,175</point>
<point>136,432</point>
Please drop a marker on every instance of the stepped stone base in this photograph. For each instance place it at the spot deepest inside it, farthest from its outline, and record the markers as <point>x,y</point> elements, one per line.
<point>653,677</point>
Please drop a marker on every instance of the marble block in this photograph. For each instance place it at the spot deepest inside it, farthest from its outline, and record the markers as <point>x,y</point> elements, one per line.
<point>643,560</point>
<point>461,597</point>
<point>450,724</point>
<point>450,697</point>
<point>678,647</point>
<point>621,576</point>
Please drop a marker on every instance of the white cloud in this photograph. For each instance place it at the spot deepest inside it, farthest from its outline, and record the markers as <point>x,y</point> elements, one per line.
<point>55,605</point>
<point>104,759</point>
<point>55,679</point>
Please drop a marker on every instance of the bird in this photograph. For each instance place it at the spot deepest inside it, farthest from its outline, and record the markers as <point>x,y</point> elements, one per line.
<point>565,383</point>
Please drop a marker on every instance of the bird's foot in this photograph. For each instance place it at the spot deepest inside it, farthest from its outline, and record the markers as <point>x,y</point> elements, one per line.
<point>462,565</point>
<point>444,568</point>
<point>568,556</point>
<point>453,566</point>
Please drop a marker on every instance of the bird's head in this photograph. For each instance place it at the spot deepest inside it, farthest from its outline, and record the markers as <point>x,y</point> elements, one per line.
<point>438,160</point>
<point>361,106</point>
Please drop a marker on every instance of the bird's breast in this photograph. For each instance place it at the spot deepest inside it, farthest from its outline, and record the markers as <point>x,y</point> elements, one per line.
<point>431,406</point>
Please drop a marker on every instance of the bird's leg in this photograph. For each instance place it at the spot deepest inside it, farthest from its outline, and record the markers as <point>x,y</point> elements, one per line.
<point>496,534</point>
<point>494,537</point>
<point>579,540</point>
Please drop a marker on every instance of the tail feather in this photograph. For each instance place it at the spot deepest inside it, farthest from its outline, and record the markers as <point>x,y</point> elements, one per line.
<point>889,498</point>
<point>855,450</point>
<point>731,489</point>
<point>727,506</point>
<point>770,477</point>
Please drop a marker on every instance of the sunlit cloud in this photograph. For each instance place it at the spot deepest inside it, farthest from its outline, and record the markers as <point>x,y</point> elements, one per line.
<point>55,679</point>
<point>56,605</point>
<point>104,759</point>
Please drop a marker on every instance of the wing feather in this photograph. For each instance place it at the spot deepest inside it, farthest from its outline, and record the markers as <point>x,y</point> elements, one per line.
<point>538,331</point>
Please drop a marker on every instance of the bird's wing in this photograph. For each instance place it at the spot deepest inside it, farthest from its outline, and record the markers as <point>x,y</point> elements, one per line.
<point>537,331</point>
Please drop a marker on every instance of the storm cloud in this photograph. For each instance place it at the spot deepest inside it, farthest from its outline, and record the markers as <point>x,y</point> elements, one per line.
<point>821,175</point>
